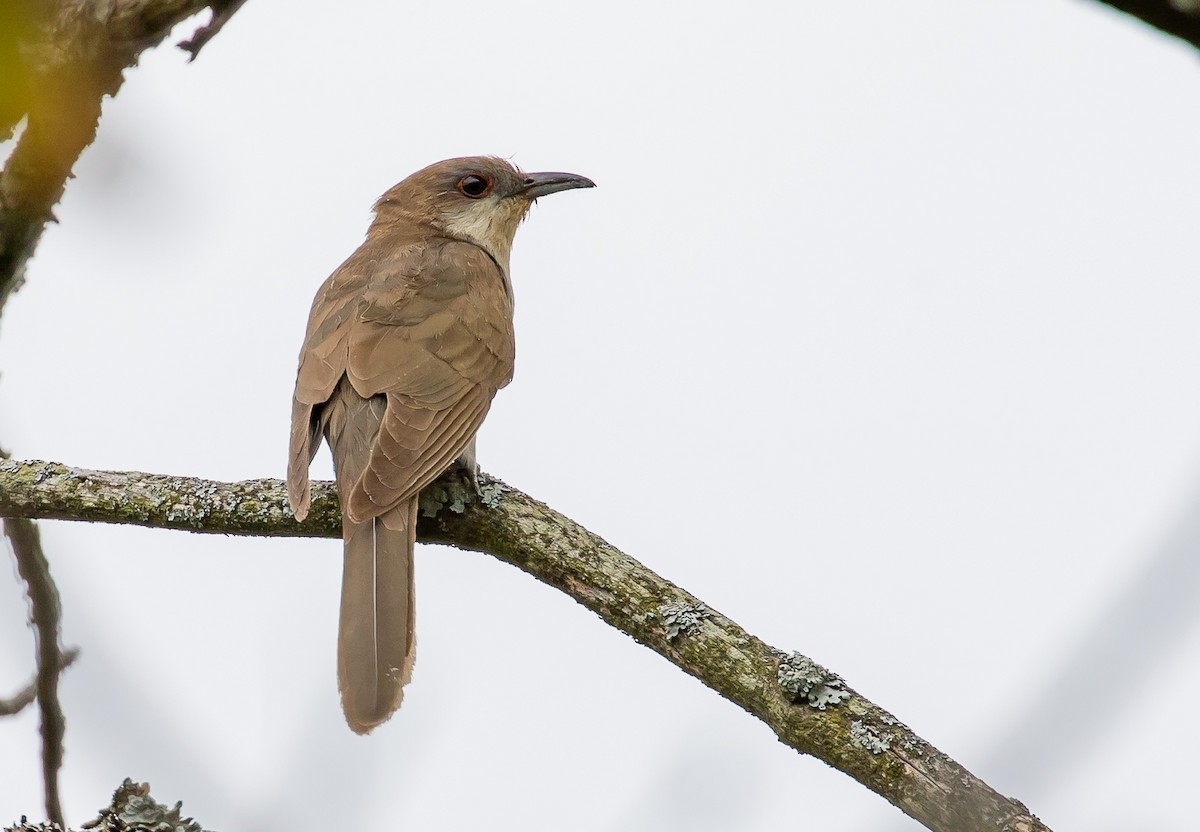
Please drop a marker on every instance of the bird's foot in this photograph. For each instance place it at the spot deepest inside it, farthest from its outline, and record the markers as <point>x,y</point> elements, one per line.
<point>469,472</point>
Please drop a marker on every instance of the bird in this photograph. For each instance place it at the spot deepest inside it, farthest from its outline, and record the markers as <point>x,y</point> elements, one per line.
<point>407,342</point>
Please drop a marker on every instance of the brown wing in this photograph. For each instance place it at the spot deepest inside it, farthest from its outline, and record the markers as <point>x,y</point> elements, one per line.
<point>324,354</point>
<point>438,345</point>
<point>430,328</point>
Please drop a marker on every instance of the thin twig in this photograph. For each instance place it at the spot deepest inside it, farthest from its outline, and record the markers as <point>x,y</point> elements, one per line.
<point>45,613</point>
<point>13,705</point>
<point>222,10</point>
<point>808,707</point>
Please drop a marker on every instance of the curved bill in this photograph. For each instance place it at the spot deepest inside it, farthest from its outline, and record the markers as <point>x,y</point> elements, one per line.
<point>541,184</point>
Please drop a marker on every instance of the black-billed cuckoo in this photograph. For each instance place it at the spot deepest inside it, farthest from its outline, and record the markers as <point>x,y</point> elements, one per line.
<point>407,343</point>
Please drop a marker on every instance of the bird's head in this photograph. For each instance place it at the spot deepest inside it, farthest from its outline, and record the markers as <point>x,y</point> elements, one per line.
<point>479,199</point>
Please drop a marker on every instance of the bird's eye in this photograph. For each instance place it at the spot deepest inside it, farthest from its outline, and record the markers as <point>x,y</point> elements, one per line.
<point>474,185</point>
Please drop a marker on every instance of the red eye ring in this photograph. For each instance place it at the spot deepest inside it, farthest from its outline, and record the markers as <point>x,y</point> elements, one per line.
<point>475,185</point>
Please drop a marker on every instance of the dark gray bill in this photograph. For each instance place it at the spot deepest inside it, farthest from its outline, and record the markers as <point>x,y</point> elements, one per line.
<point>541,184</point>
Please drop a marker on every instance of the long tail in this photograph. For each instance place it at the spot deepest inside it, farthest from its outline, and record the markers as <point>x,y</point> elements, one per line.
<point>375,636</point>
<point>375,633</point>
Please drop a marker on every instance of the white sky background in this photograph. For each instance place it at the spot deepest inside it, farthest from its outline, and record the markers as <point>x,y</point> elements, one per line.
<point>879,334</point>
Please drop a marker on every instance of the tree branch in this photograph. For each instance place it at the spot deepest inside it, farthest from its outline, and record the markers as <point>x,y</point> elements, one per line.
<point>22,699</point>
<point>45,612</point>
<point>808,708</point>
<point>1180,18</point>
<point>132,810</point>
<point>222,11</point>
<point>64,57</point>
<point>59,60</point>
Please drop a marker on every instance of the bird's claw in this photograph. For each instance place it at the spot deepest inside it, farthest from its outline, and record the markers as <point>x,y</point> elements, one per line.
<point>470,475</point>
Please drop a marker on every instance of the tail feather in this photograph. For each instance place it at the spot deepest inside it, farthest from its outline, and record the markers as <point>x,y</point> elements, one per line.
<point>305,439</point>
<point>376,636</point>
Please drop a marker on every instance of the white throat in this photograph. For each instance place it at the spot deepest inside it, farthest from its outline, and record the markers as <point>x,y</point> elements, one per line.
<point>490,224</point>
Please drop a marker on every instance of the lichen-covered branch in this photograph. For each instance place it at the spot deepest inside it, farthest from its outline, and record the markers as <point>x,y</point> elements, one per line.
<point>1180,18</point>
<point>61,59</point>
<point>808,707</point>
<point>132,810</point>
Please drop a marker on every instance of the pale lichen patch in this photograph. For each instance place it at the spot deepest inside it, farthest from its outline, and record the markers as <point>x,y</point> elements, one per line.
<point>444,495</point>
<point>490,493</point>
<point>681,618</point>
<point>870,737</point>
<point>806,681</point>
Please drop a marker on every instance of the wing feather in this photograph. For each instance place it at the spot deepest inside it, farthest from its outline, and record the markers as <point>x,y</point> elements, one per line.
<point>397,470</point>
<point>415,341</point>
<point>427,325</point>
